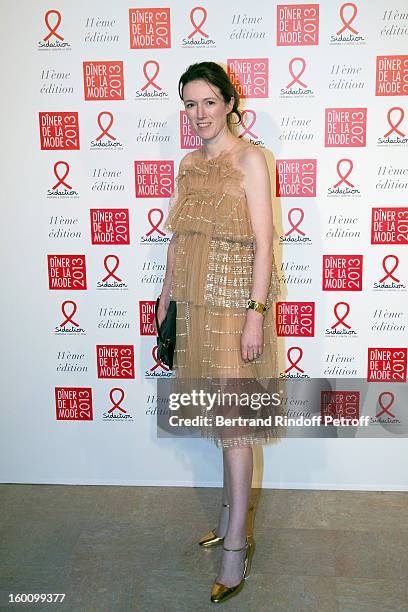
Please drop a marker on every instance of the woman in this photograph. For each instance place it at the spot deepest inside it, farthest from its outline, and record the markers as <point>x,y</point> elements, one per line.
<point>220,256</point>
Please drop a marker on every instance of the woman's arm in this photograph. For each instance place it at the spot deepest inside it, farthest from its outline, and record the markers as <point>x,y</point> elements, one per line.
<point>168,277</point>
<point>258,194</point>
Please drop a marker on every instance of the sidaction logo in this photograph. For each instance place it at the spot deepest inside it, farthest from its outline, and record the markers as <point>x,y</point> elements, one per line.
<point>394,134</point>
<point>248,120</point>
<point>296,86</point>
<point>347,33</point>
<point>117,411</point>
<point>69,325</point>
<point>105,140</point>
<point>158,369</point>
<point>341,326</point>
<point>151,89</point>
<point>384,415</point>
<point>344,186</point>
<point>389,280</point>
<point>294,355</point>
<point>111,280</point>
<point>295,235</point>
<point>155,235</point>
<point>53,39</point>
<point>62,189</point>
<point>198,37</point>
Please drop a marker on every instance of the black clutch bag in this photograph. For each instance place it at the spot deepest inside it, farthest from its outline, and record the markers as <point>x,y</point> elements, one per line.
<point>166,338</point>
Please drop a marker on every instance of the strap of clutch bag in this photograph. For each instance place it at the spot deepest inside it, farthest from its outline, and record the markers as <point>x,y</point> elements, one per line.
<point>157,321</point>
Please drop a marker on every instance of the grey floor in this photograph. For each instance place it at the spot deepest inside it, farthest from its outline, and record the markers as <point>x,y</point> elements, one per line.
<point>134,548</point>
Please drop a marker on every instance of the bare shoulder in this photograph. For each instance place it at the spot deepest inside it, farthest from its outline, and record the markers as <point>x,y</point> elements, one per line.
<point>251,160</point>
<point>187,159</point>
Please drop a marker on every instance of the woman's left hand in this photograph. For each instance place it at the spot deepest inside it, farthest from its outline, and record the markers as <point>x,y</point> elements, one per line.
<point>252,337</point>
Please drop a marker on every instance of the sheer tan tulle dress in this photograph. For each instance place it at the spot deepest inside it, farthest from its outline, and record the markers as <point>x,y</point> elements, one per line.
<point>211,283</point>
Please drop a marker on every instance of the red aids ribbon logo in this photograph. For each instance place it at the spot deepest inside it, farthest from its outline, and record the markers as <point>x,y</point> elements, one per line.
<point>105,130</point>
<point>394,126</point>
<point>116,404</point>
<point>296,77</point>
<point>155,226</point>
<point>341,320</point>
<point>68,318</point>
<point>111,272</point>
<point>385,408</point>
<point>343,177</point>
<point>52,30</point>
<point>347,24</point>
<point>158,363</point>
<point>61,179</point>
<point>150,81</point>
<point>294,363</point>
<point>295,227</point>
<point>389,272</point>
<point>247,128</point>
<point>192,19</point>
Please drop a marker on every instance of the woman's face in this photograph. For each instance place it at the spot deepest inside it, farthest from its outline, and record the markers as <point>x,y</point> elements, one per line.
<point>205,108</point>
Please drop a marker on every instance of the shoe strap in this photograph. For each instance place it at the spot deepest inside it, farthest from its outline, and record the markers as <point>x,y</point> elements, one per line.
<point>235,549</point>
<point>251,507</point>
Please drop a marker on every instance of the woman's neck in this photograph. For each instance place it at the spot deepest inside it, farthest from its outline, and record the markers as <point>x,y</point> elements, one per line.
<point>213,149</point>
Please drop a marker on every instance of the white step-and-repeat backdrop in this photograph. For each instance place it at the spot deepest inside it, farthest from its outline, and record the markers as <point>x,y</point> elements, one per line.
<point>94,132</point>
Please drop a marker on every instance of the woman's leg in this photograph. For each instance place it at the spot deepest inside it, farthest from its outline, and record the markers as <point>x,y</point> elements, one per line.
<point>238,466</point>
<point>222,527</point>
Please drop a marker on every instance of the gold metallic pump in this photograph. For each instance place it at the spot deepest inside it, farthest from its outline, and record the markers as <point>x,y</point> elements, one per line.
<point>220,592</point>
<point>211,538</point>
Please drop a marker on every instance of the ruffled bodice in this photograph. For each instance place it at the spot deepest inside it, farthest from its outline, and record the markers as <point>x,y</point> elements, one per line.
<point>209,198</point>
